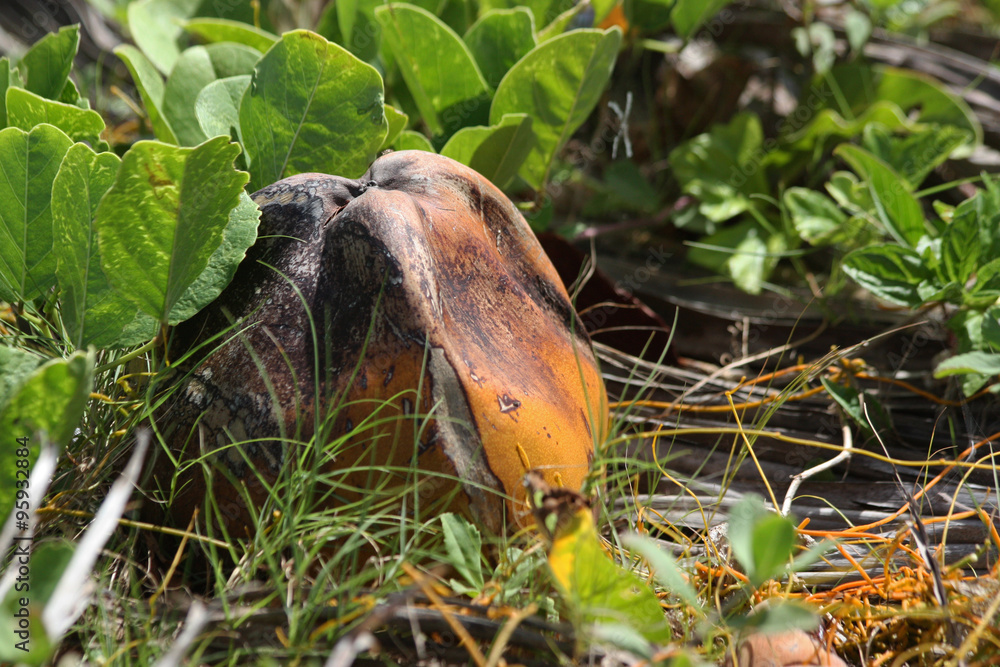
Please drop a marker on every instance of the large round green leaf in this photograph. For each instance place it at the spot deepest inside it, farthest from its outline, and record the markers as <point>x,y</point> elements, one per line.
<point>311,106</point>
<point>165,217</point>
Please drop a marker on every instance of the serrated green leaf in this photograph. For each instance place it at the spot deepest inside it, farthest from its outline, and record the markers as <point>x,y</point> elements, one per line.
<point>26,109</point>
<point>150,85</point>
<point>891,272</point>
<point>93,312</point>
<point>496,152</point>
<point>499,39</point>
<point>164,218</point>
<point>311,106</point>
<point>46,66</point>
<point>224,30</point>
<point>895,207</point>
<point>688,15</point>
<point>157,25</point>
<point>464,548</point>
<point>409,140</point>
<point>29,162</point>
<point>438,68</point>
<point>194,69</point>
<point>218,107</point>
<point>558,84</point>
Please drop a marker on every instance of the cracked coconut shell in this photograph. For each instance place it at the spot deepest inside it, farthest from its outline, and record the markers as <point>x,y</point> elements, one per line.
<point>407,320</point>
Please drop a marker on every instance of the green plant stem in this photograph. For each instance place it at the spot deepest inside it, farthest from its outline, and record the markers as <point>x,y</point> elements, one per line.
<point>125,358</point>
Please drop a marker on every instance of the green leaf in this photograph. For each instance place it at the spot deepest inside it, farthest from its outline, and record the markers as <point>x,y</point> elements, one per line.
<point>648,15</point>
<point>93,312</point>
<point>496,152</point>
<point>598,590</point>
<point>850,193</point>
<point>841,103</point>
<point>311,106</point>
<point>763,542</point>
<point>29,162</point>
<point>933,104</point>
<point>6,82</point>
<point>464,549</point>
<point>352,24</point>
<point>224,30</point>
<point>558,84</point>
<point>987,363</point>
<point>164,218</point>
<point>239,234</point>
<point>438,68</point>
<point>150,85</point>
<point>26,109</point>
<point>895,207</point>
<point>218,107</point>
<point>499,39</point>
<point>157,25</point>
<point>960,249</point>
<point>543,11</point>
<point>664,568</point>
<point>779,617</point>
<point>891,272</point>
<point>913,156</point>
<point>722,168</point>
<point>849,399</point>
<point>987,285</point>
<point>773,544</point>
<point>858,27</point>
<point>816,219</point>
<point>408,140</point>
<point>196,68</point>
<point>46,66</point>
<point>745,252</point>
<point>50,401</point>
<point>15,367</point>
<point>984,209</point>
<point>990,334</point>
<point>397,121</point>
<point>688,15</point>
